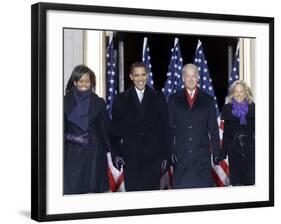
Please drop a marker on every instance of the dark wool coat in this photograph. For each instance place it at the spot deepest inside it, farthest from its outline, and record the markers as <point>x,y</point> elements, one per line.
<point>139,133</point>
<point>194,133</point>
<point>239,145</point>
<point>85,170</point>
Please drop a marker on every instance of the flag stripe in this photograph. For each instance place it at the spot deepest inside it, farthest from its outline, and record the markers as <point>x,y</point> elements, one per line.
<point>218,181</point>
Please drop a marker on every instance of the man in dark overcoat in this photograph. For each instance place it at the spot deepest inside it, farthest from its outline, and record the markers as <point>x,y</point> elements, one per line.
<point>139,132</point>
<point>194,130</point>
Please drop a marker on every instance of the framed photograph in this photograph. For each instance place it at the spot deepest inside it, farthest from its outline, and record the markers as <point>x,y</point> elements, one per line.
<point>102,54</point>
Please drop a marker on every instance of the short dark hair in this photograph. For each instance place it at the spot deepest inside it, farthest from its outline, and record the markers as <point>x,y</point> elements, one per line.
<point>138,64</point>
<point>77,73</point>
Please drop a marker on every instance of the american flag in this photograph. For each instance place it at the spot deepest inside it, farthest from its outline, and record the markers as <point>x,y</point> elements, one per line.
<point>220,173</point>
<point>174,80</point>
<point>205,81</point>
<point>111,74</point>
<point>173,84</point>
<point>146,61</point>
<point>116,177</point>
<point>235,68</point>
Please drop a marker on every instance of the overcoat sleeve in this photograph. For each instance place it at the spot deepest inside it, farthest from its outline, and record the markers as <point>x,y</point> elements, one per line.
<point>164,128</point>
<point>172,125</point>
<point>213,129</point>
<point>104,124</point>
<point>227,136</point>
<point>116,128</point>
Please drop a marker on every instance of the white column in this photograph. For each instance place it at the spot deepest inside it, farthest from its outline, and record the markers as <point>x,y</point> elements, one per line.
<point>121,66</point>
<point>94,58</point>
<point>247,62</point>
<point>72,52</point>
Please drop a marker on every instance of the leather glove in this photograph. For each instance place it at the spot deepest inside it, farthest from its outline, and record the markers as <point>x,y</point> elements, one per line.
<point>174,160</point>
<point>217,159</point>
<point>82,140</point>
<point>119,162</point>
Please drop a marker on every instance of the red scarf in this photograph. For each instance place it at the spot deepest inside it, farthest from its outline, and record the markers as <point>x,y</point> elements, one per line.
<point>190,100</point>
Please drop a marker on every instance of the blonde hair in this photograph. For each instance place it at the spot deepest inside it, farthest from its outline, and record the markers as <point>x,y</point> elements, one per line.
<point>248,91</point>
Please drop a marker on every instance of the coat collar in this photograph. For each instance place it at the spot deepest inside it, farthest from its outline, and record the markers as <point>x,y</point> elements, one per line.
<point>134,100</point>
<point>70,103</point>
<point>181,99</point>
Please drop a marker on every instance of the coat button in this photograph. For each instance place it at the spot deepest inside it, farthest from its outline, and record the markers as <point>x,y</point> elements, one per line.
<point>141,133</point>
<point>189,126</point>
<point>190,151</point>
<point>190,139</point>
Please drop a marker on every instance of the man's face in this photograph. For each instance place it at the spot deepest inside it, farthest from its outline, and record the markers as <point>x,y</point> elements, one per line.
<point>139,77</point>
<point>190,79</point>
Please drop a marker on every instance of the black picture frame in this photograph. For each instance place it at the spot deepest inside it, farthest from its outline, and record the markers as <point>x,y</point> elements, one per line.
<point>39,112</point>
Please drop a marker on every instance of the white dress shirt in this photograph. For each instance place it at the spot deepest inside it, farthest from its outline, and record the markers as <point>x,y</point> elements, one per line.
<point>140,94</point>
<point>191,93</point>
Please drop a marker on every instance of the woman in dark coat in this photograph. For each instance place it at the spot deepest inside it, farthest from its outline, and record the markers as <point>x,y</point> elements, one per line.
<point>239,134</point>
<point>85,131</point>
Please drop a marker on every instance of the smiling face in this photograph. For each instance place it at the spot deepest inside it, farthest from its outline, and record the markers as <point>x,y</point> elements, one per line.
<point>190,78</point>
<point>84,83</point>
<point>239,93</point>
<point>139,77</point>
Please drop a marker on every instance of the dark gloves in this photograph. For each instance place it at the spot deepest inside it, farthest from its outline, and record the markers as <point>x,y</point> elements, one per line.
<point>217,159</point>
<point>119,162</point>
<point>174,160</point>
<point>82,140</point>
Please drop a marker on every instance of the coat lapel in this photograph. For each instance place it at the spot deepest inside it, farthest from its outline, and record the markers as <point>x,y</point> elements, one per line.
<point>197,101</point>
<point>94,106</point>
<point>146,98</point>
<point>133,102</point>
<point>181,98</point>
<point>69,103</point>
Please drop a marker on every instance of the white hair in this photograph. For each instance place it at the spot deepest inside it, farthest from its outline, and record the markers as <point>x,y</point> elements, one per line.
<point>190,66</point>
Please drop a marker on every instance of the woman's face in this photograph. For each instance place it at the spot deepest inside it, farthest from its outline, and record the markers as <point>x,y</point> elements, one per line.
<point>84,83</point>
<point>239,93</point>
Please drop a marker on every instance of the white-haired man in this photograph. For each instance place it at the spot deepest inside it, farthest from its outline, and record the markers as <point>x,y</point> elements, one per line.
<point>195,133</point>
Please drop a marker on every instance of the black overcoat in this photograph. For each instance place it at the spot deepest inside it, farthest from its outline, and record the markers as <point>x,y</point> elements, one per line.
<point>239,145</point>
<point>85,170</point>
<point>194,133</point>
<point>139,133</point>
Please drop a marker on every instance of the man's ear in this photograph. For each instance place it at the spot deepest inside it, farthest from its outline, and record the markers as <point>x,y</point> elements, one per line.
<point>131,76</point>
<point>74,83</point>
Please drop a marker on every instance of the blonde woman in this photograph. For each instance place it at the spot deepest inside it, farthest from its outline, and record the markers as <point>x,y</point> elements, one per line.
<point>239,134</point>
